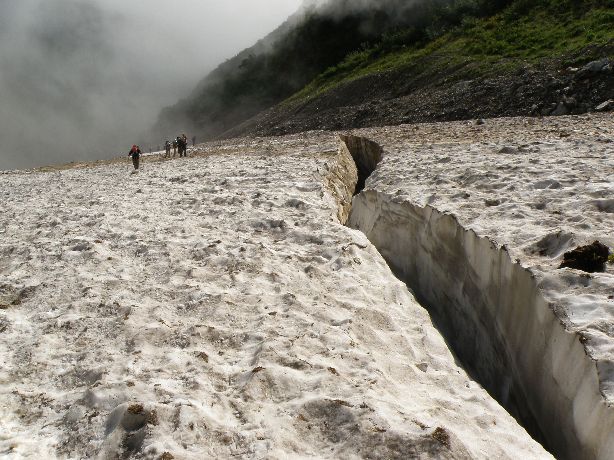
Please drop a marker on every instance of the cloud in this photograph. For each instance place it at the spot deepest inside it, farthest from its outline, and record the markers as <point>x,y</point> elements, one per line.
<point>80,79</point>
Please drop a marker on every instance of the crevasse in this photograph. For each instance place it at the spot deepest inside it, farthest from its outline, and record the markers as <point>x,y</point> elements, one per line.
<point>492,313</point>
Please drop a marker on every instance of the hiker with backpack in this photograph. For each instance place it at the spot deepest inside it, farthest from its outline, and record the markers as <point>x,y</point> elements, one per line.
<point>167,148</point>
<point>182,145</point>
<point>178,140</point>
<point>135,153</point>
<point>175,147</point>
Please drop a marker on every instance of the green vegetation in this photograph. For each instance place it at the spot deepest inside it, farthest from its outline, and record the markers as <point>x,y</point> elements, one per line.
<point>611,259</point>
<point>525,31</point>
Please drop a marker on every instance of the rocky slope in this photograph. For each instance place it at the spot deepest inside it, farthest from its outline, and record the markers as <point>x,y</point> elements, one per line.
<point>402,96</point>
<point>344,65</point>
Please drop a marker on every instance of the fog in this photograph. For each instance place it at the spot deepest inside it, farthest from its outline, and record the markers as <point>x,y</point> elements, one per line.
<point>82,79</point>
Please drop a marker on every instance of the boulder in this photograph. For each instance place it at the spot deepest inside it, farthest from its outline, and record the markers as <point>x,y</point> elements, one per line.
<point>595,67</point>
<point>590,258</point>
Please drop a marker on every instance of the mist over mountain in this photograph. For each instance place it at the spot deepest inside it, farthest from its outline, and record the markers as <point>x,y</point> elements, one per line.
<point>342,64</point>
<point>83,79</point>
<point>319,36</point>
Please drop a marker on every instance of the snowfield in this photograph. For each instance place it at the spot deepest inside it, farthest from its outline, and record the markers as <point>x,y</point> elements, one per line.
<point>216,307</point>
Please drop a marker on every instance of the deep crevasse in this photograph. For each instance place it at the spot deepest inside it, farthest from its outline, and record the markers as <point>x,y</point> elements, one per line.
<point>493,314</point>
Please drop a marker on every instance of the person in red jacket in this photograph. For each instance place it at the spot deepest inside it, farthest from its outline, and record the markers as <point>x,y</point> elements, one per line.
<point>135,153</point>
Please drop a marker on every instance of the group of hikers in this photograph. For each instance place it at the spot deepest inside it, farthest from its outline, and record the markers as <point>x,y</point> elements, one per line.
<point>179,144</point>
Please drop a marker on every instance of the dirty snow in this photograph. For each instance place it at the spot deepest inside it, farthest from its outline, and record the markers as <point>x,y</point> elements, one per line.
<point>215,307</point>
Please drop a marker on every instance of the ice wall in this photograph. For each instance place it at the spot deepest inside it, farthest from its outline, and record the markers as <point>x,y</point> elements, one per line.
<point>366,155</point>
<point>342,178</point>
<point>493,315</point>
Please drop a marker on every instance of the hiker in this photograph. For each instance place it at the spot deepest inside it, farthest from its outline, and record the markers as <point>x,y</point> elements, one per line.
<point>184,143</point>
<point>178,142</point>
<point>135,153</point>
<point>167,148</point>
<point>175,147</point>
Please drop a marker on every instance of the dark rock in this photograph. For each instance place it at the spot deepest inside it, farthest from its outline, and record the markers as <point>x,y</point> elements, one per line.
<point>591,258</point>
<point>605,205</point>
<point>508,150</point>
<point>82,246</point>
<point>594,67</point>
<point>552,107</point>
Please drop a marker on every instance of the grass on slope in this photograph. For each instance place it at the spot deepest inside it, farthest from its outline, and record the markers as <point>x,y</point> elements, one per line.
<point>524,32</point>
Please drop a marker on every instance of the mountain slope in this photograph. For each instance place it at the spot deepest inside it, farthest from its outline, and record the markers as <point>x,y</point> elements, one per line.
<point>314,39</point>
<point>346,67</point>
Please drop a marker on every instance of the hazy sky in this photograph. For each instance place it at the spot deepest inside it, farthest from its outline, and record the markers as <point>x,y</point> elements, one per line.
<point>80,79</point>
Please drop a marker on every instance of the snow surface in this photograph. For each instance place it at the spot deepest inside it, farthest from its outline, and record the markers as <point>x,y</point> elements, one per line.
<point>540,187</point>
<point>450,207</point>
<point>215,307</point>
